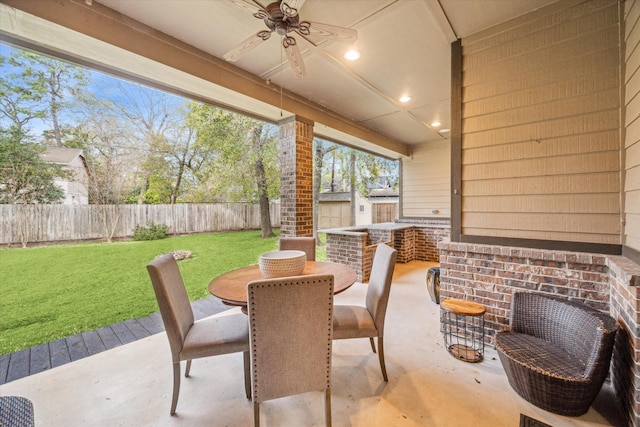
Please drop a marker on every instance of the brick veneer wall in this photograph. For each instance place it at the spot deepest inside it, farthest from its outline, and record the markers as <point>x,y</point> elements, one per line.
<point>404,241</point>
<point>355,246</point>
<point>426,242</point>
<point>380,236</point>
<point>296,185</point>
<point>490,274</point>
<point>625,306</point>
<point>353,249</point>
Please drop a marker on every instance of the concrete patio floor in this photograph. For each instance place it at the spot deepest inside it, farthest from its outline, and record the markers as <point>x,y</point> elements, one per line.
<point>130,385</point>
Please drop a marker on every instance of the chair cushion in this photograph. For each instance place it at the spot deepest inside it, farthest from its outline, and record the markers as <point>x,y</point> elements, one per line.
<point>352,321</point>
<point>216,335</point>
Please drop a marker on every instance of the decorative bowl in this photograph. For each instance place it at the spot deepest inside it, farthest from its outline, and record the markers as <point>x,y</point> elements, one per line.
<point>282,263</point>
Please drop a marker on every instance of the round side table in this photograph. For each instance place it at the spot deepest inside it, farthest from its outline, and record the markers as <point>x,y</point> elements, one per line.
<point>463,329</point>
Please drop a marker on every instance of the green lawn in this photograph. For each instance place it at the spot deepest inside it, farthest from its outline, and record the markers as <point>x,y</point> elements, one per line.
<point>51,292</point>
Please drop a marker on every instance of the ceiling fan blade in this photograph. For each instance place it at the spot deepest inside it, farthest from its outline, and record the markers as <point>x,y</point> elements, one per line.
<point>328,31</point>
<point>242,48</point>
<point>294,57</point>
<point>247,7</point>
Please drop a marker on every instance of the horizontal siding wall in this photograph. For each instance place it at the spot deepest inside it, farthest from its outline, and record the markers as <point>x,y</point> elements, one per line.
<point>632,125</point>
<point>540,130</point>
<point>427,181</point>
<point>50,223</point>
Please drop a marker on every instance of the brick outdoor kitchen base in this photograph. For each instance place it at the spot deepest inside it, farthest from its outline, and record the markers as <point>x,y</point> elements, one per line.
<point>355,246</point>
<point>489,274</point>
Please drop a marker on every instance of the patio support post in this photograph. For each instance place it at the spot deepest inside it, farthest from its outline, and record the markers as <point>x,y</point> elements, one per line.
<point>296,189</point>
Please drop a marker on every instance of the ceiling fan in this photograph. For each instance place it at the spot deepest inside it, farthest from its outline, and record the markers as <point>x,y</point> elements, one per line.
<point>281,18</point>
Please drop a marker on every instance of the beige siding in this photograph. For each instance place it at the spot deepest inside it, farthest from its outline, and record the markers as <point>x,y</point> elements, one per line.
<point>632,125</point>
<point>540,129</point>
<point>427,181</point>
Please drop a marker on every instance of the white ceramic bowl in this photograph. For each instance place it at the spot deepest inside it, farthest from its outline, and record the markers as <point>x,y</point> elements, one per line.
<point>282,263</point>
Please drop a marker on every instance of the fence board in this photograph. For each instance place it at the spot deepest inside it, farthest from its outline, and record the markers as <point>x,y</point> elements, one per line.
<point>50,223</point>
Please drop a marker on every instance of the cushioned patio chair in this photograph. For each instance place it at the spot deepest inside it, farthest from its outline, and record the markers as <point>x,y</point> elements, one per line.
<point>354,321</point>
<point>304,244</point>
<point>557,352</point>
<point>291,337</point>
<point>188,339</point>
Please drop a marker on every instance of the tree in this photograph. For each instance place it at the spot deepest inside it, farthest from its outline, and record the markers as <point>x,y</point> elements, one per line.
<point>39,87</point>
<point>257,136</point>
<point>322,148</point>
<point>24,177</point>
<point>243,159</point>
<point>105,138</point>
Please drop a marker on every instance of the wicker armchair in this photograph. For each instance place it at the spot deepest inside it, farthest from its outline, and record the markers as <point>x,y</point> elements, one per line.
<point>557,353</point>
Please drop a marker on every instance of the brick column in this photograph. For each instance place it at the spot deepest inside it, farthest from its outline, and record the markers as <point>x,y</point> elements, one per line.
<point>296,185</point>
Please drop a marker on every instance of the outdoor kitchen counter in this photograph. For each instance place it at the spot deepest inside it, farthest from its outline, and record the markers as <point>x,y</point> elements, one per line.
<point>413,240</point>
<point>358,230</point>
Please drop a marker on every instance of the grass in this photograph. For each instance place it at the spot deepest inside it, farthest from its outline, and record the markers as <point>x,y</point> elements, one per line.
<point>50,292</point>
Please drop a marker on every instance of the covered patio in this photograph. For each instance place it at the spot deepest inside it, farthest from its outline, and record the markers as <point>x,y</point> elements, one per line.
<point>537,180</point>
<point>131,385</point>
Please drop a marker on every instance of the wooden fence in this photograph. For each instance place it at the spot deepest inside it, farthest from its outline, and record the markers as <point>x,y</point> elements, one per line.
<point>384,212</point>
<point>51,223</point>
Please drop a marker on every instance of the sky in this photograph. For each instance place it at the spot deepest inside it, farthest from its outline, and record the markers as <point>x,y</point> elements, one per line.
<point>103,86</point>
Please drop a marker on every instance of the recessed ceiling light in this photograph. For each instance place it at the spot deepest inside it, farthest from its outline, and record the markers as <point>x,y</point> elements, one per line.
<point>405,98</point>
<point>435,123</point>
<point>352,55</point>
<point>444,130</point>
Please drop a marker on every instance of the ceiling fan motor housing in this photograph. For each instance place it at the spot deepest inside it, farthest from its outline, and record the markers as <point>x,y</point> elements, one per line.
<point>277,21</point>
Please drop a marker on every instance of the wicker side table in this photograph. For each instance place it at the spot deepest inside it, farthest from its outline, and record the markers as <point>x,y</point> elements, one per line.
<point>463,329</point>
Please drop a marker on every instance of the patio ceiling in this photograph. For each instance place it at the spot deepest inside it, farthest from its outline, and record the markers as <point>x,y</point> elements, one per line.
<point>404,46</point>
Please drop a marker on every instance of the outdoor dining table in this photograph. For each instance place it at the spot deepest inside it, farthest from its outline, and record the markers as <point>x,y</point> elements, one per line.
<point>231,287</point>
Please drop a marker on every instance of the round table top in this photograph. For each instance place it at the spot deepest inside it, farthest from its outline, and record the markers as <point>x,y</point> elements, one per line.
<point>231,287</point>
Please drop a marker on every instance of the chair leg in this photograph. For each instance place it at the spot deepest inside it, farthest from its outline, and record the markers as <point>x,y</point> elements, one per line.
<point>381,357</point>
<point>373,345</point>
<point>186,372</point>
<point>176,386</point>
<point>247,373</point>
<point>256,414</point>
<point>327,406</point>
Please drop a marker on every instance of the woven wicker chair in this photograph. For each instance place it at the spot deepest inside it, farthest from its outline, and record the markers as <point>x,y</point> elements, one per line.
<point>557,353</point>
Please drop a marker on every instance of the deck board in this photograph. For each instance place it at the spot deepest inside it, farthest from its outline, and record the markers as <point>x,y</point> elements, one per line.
<point>77,347</point>
<point>152,323</point>
<point>59,353</point>
<point>93,342</point>
<point>40,359</point>
<point>4,367</point>
<point>124,334</point>
<point>19,364</point>
<point>108,337</point>
<point>136,329</point>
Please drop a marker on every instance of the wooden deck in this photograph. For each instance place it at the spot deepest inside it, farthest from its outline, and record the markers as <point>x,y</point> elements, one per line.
<point>42,357</point>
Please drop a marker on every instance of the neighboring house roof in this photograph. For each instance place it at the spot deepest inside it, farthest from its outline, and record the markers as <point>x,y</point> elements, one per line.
<point>384,192</point>
<point>63,156</point>
<point>336,196</point>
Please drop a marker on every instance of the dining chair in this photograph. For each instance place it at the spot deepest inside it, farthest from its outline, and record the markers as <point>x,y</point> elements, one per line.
<point>291,338</point>
<point>189,339</point>
<point>305,244</point>
<point>355,321</point>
